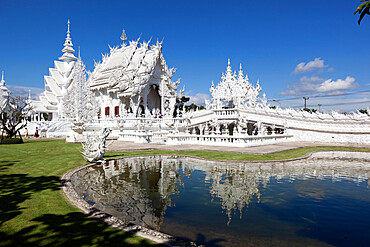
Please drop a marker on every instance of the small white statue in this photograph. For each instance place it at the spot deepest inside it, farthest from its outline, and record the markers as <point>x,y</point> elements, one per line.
<point>95,145</point>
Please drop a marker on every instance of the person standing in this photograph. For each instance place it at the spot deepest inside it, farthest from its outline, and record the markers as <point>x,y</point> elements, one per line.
<point>37,132</point>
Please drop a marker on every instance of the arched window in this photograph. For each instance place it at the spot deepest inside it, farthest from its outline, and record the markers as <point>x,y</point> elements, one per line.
<point>116,111</point>
<point>107,111</point>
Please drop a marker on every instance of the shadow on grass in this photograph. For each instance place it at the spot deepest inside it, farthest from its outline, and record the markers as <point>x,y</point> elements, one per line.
<point>16,188</point>
<point>72,229</point>
<point>5,164</point>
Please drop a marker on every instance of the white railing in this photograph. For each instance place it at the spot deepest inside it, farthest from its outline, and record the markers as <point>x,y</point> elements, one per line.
<point>226,140</point>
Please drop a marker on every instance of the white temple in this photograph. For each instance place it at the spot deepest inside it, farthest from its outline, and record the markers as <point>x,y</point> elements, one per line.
<point>131,92</point>
<point>134,80</point>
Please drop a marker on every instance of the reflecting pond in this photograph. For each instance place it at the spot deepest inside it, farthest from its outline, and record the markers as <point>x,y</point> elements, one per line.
<point>320,201</point>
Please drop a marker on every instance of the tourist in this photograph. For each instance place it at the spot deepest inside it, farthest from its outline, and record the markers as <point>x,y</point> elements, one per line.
<point>27,133</point>
<point>36,132</point>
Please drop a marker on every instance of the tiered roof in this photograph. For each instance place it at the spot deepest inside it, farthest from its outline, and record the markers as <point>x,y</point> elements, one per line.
<point>59,78</point>
<point>127,70</point>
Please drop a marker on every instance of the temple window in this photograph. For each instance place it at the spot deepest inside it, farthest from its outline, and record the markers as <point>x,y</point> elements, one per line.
<point>107,111</point>
<point>116,111</point>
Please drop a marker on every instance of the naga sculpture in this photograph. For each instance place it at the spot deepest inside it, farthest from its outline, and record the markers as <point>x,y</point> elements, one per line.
<point>95,145</point>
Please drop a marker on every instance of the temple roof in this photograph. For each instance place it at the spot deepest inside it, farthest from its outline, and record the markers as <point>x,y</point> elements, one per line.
<point>127,69</point>
<point>59,78</point>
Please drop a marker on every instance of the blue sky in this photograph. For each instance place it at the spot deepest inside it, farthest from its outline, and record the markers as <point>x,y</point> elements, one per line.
<point>269,38</point>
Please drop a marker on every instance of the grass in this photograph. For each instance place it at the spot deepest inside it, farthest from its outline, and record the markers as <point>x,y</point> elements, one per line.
<point>33,209</point>
<point>35,212</point>
<point>212,155</point>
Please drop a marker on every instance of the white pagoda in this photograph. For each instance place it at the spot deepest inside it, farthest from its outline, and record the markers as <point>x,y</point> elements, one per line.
<point>57,83</point>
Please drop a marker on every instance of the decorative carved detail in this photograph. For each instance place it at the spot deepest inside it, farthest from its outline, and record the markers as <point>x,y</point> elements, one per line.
<point>95,145</point>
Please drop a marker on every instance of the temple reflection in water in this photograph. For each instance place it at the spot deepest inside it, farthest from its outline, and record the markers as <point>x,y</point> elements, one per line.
<point>139,189</point>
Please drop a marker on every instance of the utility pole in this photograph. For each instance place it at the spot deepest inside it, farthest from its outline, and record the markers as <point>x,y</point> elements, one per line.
<point>305,101</point>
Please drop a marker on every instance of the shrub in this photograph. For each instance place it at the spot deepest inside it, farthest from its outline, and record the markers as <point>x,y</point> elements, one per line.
<point>12,141</point>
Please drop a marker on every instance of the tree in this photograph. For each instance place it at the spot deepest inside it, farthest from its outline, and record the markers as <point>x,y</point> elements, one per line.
<point>363,9</point>
<point>180,104</point>
<point>363,111</point>
<point>13,111</point>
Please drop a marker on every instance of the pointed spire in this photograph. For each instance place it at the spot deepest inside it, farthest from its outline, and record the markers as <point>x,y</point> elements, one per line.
<point>123,37</point>
<point>68,48</point>
<point>241,72</point>
<point>3,90</point>
<point>29,94</point>
<point>228,69</point>
<point>2,82</point>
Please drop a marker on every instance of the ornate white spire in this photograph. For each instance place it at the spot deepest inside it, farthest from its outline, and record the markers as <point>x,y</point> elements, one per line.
<point>68,48</point>
<point>2,82</point>
<point>241,72</point>
<point>228,69</point>
<point>3,90</point>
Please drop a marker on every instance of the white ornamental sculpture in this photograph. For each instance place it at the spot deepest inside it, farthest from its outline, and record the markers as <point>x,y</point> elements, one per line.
<point>234,91</point>
<point>79,104</point>
<point>95,145</point>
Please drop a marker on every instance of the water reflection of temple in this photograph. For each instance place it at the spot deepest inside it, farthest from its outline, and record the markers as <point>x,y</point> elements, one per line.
<point>140,189</point>
<point>137,190</point>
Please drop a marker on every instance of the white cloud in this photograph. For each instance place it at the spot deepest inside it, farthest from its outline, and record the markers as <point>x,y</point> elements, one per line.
<point>305,85</point>
<point>316,85</point>
<point>24,91</point>
<point>338,85</point>
<point>199,98</point>
<point>316,64</point>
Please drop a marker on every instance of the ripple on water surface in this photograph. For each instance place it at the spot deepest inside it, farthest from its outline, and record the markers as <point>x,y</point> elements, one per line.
<point>321,201</point>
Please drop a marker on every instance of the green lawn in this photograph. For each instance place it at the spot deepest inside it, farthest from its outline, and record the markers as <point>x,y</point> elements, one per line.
<point>34,210</point>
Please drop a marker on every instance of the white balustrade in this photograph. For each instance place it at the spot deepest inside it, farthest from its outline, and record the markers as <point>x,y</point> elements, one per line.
<point>226,140</point>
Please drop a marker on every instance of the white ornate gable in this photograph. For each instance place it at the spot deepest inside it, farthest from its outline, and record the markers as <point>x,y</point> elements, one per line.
<point>234,90</point>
